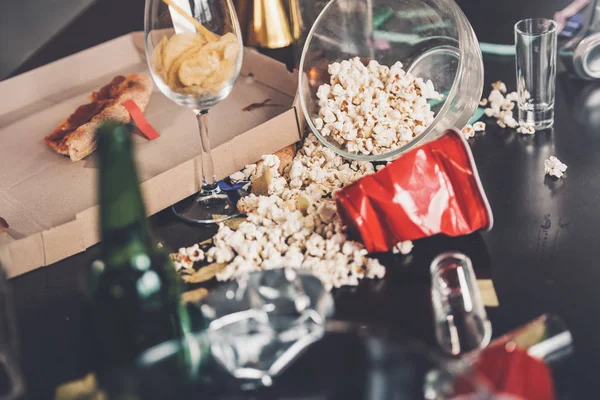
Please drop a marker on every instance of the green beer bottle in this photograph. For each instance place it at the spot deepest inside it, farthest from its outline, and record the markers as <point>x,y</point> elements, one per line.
<point>133,287</point>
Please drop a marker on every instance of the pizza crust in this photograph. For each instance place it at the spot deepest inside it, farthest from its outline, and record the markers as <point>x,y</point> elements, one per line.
<point>81,142</point>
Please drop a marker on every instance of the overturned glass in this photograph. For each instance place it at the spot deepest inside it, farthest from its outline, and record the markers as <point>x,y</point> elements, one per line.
<point>461,323</point>
<point>526,363</point>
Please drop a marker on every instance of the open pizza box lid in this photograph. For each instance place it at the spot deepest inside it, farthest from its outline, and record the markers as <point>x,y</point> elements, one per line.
<point>50,202</point>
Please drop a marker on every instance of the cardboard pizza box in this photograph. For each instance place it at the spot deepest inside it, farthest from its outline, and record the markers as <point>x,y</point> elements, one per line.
<point>50,202</point>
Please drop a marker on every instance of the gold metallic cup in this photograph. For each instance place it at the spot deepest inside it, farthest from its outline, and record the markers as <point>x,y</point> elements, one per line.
<point>266,23</point>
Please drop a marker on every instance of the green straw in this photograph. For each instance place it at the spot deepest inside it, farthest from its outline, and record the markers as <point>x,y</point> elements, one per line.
<point>477,116</point>
<point>381,16</point>
<point>497,49</point>
<point>413,38</point>
<point>435,25</point>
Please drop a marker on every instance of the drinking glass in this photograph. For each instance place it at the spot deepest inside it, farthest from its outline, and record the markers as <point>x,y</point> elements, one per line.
<point>194,52</point>
<point>461,323</point>
<point>535,45</point>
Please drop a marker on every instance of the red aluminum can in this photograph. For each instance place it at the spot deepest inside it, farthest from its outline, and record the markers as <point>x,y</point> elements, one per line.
<point>429,190</point>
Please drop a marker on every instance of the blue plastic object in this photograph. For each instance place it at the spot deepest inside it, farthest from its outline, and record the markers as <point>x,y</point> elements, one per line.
<point>572,26</point>
<point>227,187</point>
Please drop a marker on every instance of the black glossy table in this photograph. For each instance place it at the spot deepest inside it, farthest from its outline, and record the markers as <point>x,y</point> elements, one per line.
<point>541,253</point>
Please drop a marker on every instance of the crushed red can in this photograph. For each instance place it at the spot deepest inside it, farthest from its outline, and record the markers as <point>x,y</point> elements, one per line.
<point>432,189</point>
<point>512,372</point>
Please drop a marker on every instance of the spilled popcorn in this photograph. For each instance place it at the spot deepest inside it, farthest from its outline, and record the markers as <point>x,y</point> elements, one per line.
<point>499,105</point>
<point>186,257</point>
<point>372,109</point>
<point>403,247</point>
<point>499,86</point>
<point>526,129</point>
<point>468,131</point>
<point>292,221</point>
<point>554,167</point>
<point>479,126</point>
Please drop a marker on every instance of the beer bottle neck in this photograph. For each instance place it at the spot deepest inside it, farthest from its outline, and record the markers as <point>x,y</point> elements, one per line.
<point>122,212</point>
<point>121,244</point>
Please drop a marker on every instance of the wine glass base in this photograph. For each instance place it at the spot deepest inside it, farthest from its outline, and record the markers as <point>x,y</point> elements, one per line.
<point>206,208</point>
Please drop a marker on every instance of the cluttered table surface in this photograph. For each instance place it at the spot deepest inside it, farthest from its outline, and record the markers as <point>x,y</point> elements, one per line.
<point>540,253</point>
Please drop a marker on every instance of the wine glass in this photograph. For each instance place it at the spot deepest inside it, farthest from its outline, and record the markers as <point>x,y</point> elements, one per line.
<point>194,52</point>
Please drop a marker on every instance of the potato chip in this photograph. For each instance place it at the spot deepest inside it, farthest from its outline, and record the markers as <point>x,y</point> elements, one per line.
<point>194,296</point>
<point>218,79</point>
<point>231,51</point>
<point>303,203</point>
<point>195,91</point>
<point>286,157</point>
<point>177,45</point>
<point>84,388</point>
<point>227,38</point>
<point>157,57</point>
<point>205,273</point>
<point>173,72</point>
<point>213,47</point>
<point>260,185</point>
<point>206,242</point>
<point>234,223</point>
<point>194,71</point>
<point>222,44</point>
<point>191,65</point>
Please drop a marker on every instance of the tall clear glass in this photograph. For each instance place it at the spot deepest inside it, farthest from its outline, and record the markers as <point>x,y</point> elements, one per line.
<point>194,52</point>
<point>535,45</point>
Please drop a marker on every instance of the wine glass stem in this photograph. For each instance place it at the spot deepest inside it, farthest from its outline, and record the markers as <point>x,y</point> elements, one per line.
<point>209,182</point>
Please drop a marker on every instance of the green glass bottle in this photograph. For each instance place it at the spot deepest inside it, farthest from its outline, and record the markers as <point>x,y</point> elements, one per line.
<point>133,287</point>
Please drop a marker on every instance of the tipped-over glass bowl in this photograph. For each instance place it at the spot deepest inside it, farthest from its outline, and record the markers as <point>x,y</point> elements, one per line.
<point>431,38</point>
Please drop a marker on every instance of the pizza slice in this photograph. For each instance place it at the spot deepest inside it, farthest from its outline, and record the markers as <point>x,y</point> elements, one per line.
<point>76,136</point>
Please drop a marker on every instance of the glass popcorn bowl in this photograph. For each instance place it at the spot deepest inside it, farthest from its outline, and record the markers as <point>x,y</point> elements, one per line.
<point>431,38</point>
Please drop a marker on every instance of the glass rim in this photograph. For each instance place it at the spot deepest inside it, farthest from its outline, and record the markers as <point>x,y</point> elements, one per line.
<point>551,29</point>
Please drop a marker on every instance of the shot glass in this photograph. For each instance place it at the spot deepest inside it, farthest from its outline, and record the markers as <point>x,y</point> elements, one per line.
<point>535,46</point>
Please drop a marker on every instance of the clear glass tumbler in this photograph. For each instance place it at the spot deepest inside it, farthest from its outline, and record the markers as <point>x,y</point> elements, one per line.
<point>461,324</point>
<point>535,45</point>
